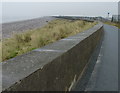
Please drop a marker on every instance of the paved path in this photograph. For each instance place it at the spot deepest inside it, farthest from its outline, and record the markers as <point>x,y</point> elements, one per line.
<point>105,74</point>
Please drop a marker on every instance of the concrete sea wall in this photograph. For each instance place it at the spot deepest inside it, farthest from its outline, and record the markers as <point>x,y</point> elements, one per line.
<point>54,67</point>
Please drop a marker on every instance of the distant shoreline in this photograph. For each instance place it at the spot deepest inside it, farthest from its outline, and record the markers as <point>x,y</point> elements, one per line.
<point>20,26</point>
<point>17,19</point>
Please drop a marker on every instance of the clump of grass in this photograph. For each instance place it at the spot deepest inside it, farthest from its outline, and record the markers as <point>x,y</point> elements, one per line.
<point>0,51</point>
<point>113,24</point>
<point>53,31</point>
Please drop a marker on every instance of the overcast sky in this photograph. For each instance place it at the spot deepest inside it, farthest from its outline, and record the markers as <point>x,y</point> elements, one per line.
<point>37,9</point>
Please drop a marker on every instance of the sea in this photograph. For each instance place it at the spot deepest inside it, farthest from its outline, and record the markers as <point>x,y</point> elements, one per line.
<point>15,18</point>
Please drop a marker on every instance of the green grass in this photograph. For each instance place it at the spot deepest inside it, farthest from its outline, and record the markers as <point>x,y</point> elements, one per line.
<point>32,39</point>
<point>113,24</point>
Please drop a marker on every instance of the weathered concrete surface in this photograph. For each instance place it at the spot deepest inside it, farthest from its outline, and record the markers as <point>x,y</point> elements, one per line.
<point>105,74</point>
<point>53,67</point>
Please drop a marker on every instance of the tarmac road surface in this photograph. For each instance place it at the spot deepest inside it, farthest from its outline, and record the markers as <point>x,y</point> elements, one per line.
<point>104,76</point>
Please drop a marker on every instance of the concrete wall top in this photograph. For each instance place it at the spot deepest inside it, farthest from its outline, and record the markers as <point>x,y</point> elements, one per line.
<point>17,68</point>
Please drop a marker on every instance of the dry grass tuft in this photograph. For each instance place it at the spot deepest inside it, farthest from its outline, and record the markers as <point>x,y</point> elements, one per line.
<point>113,24</point>
<point>29,40</point>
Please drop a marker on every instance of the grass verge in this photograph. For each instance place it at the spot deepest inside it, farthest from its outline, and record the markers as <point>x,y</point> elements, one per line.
<point>113,24</point>
<point>32,39</point>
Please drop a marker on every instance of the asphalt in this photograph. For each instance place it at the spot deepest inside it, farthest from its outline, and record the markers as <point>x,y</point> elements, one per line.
<point>103,74</point>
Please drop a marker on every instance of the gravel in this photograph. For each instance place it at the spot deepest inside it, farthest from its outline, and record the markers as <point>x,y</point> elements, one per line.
<point>8,29</point>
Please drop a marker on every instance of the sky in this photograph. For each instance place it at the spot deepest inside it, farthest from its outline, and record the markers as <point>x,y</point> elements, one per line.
<point>38,9</point>
<point>60,0</point>
<point>119,8</point>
